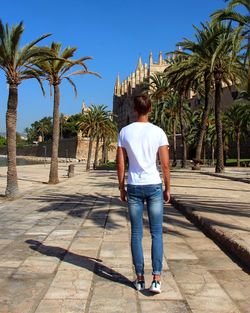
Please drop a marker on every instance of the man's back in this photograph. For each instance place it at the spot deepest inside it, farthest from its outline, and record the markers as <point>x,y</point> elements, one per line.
<point>141,140</point>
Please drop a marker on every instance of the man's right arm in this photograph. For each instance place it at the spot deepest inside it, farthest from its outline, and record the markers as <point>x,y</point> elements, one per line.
<point>164,158</point>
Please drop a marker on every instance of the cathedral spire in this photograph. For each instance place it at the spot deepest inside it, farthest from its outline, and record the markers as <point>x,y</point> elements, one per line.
<point>139,65</point>
<point>160,57</point>
<point>118,85</point>
<point>151,58</point>
<point>84,107</point>
<point>118,81</point>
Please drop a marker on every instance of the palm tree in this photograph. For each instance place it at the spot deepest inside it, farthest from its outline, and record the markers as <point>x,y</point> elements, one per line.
<point>197,65</point>
<point>225,67</point>
<point>54,71</point>
<point>235,125</point>
<point>103,119</point>
<point>165,107</point>
<point>165,115</point>
<point>16,62</point>
<point>96,124</point>
<point>90,124</point>
<point>222,65</point>
<point>244,21</point>
<point>180,82</point>
<point>43,127</point>
<point>109,136</point>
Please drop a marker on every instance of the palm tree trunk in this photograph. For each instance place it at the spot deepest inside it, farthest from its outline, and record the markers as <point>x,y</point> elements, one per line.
<point>238,148</point>
<point>174,144</point>
<point>103,150</point>
<point>183,136</point>
<point>96,151</point>
<point>248,82</point>
<point>11,114</point>
<point>53,175</point>
<point>218,124</point>
<point>212,148</point>
<point>202,129</point>
<point>106,157</point>
<point>89,153</point>
<point>204,154</point>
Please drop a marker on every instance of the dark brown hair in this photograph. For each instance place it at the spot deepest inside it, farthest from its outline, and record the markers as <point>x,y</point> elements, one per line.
<point>142,104</point>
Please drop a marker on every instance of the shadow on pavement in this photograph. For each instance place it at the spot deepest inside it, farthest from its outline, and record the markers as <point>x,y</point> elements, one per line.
<point>92,264</point>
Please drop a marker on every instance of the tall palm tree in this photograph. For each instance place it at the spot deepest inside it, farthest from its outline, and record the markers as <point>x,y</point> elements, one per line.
<point>16,62</point>
<point>43,127</point>
<point>225,67</point>
<point>109,136</point>
<point>244,21</point>
<point>180,82</point>
<point>54,71</point>
<point>196,64</point>
<point>235,124</point>
<point>165,107</point>
<point>88,126</point>
<point>94,124</point>
<point>103,123</point>
<point>222,64</point>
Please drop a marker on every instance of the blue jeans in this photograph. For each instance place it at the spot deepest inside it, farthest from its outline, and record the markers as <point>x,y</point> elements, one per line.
<point>137,195</point>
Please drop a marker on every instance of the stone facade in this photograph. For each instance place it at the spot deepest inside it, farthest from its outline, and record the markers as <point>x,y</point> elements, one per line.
<point>125,91</point>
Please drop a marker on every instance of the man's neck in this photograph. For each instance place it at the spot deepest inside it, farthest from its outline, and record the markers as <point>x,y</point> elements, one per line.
<point>142,118</point>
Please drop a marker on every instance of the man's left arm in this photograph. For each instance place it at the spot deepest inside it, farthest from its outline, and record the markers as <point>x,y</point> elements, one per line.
<point>121,164</point>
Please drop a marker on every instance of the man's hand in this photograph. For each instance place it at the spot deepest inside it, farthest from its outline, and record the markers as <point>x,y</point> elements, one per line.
<point>123,195</point>
<point>166,196</point>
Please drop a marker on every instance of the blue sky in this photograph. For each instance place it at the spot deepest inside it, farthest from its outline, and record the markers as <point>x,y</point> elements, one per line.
<point>113,32</point>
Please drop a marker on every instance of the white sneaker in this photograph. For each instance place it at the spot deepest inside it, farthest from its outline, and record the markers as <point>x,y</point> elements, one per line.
<point>155,286</point>
<point>139,284</point>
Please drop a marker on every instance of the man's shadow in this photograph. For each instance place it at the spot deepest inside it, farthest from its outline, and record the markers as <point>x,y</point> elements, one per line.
<point>89,263</point>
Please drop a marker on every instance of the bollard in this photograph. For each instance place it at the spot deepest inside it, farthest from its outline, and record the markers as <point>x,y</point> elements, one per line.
<point>71,170</point>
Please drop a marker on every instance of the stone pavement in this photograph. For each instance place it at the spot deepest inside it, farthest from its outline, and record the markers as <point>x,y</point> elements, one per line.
<point>35,177</point>
<point>234,173</point>
<point>65,248</point>
<point>219,205</point>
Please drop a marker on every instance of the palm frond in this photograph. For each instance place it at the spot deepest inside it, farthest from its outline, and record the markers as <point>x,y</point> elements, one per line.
<point>80,72</point>
<point>72,84</point>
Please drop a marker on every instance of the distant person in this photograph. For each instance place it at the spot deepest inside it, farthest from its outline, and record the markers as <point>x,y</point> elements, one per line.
<point>141,142</point>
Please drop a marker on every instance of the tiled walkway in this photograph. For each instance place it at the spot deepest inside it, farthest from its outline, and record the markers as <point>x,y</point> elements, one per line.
<point>66,249</point>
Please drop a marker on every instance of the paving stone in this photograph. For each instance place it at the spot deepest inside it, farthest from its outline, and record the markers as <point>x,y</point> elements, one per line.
<point>61,306</point>
<point>90,232</point>
<point>216,260</point>
<point>69,285</point>
<point>116,249</point>
<point>199,244</point>
<point>149,306</point>
<point>210,297</point>
<point>39,265</point>
<point>179,251</point>
<point>86,243</point>
<point>21,295</point>
<point>101,305</point>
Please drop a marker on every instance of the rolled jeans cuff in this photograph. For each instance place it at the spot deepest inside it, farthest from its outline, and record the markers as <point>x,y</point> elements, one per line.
<point>156,273</point>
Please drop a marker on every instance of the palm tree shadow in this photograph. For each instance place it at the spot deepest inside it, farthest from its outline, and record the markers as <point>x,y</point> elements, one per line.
<point>92,264</point>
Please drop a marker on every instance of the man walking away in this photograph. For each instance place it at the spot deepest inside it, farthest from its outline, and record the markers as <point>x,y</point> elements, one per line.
<point>141,142</point>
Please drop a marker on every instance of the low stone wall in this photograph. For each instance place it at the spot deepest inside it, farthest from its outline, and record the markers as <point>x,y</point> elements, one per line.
<point>72,148</point>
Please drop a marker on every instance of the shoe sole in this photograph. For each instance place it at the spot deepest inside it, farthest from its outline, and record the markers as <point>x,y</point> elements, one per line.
<point>155,291</point>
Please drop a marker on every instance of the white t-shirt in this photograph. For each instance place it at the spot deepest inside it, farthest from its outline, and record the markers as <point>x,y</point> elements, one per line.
<point>141,142</point>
